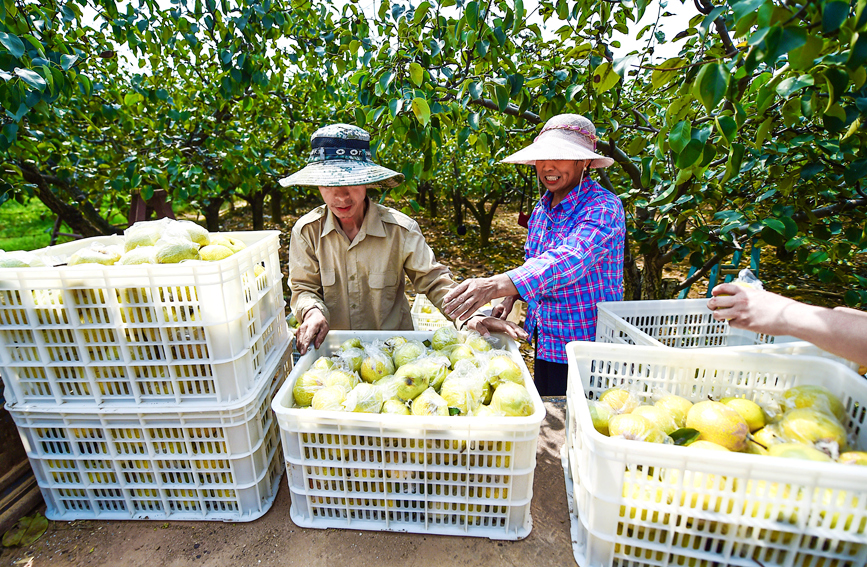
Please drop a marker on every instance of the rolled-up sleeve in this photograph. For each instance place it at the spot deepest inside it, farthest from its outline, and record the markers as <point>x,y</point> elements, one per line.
<point>582,248</point>
<point>427,275</point>
<point>305,281</point>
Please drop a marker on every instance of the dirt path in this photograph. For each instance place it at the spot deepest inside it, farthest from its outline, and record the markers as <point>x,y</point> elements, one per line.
<point>274,540</point>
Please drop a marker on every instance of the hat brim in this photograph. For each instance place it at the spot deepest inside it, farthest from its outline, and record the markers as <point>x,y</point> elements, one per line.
<point>556,149</point>
<point>340,173</point>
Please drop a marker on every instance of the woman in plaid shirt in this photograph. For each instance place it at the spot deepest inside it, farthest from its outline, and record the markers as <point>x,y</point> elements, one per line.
<point>574,252</point>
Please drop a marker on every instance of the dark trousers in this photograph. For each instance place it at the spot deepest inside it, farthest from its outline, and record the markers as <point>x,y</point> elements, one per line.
<point>550,377</point>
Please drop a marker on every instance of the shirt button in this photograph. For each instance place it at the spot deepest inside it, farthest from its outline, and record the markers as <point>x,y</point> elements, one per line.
<point>352,278</point>
<point>352,306</point>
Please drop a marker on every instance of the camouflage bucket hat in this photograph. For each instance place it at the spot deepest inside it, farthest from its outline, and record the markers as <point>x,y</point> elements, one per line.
<point>340,156</point>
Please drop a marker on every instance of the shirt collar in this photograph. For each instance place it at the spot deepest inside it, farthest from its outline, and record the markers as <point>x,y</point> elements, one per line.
<point>576,196</point>
<point>371,225</point>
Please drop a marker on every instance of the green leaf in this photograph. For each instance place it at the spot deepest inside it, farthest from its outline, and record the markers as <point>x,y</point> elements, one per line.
<point>792,84</point>
<point>857,51</point>
<point>67,61</point>
<point>690,154</point>
<point>421,110</point>
<point>32,78</point>
<point>860,14</point>
<point>420,12</point>
<point>735,159</point>
<point>416,73</point>
<point>454,411</point>
<point>680,136</point>
<point>475,90</point>
<point>775,225</point>
<point>727,128</point>
<point>604,77</point>
<point>660,78</point>
<point>833,16</point>
<point>803,57</point>
<point>502,96</point>
<point>386,80</point>
<point>26,531</point>
<point>763,131</point>
<point>836,80</point>
<point>710,85</point>
<point>471,13</point>
<point>474,120</point>
<point>665,197</point>
<point>13,44</point>
<point>684,436</point>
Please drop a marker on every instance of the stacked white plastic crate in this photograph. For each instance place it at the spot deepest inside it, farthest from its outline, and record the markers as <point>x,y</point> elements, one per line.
<point>144,392</point>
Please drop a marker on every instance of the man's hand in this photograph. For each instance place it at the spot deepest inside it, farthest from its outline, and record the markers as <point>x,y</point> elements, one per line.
<point>502,310</point>
<point>471,294</point>
<point>486,325</point>
<point>312,330</point>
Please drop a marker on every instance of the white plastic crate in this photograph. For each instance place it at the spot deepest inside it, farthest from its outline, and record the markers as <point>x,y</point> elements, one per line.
<point>153,463</point>
<point>425,315</point>
<point>688,323</point>
<point>171,333</point>
<point>468,476</point>
<point>679,323</point>
<point>650,504</point>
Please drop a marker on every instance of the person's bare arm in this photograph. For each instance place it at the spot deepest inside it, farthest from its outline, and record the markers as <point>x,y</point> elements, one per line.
<point>486,325</point>
<point>840,331</point>
<point>312,330</point>
<point>471,294</point>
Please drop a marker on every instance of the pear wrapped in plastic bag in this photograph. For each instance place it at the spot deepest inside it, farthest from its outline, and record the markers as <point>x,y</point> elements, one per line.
<point>95,254</point>
<point>364,398</point>
<point>375,365</point>
<point>430,403</point>
<point>512,399</point>
<point>408,352</point>
<point>465,388</point>
<point>329,398</point>
<point>307,385</point>
<point>444,336</point>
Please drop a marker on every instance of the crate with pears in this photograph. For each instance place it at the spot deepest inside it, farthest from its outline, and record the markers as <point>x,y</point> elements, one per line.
<point>411,431</point>
<point>166,313</point>
<point>714,457</point>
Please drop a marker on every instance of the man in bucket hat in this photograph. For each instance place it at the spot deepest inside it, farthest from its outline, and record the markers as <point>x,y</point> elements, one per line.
<point>347,258</point>
<point>574,252</point>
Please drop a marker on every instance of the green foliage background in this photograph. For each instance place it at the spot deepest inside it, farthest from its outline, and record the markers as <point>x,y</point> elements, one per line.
<point>753,135</point>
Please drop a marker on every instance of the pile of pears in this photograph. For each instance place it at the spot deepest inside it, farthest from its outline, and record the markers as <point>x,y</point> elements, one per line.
<point>452,374</point>
<point>805,422</point>
<point>164,241</point>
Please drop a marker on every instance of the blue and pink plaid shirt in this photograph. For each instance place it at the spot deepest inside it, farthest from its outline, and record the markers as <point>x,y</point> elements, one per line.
<point>574,259</point>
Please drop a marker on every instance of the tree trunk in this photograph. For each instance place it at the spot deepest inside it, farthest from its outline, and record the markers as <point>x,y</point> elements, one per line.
<point>433,209</point>
<point>211,211</point>
<point>277,207</point>
<point>651,276</point>
<point>458,206</point>
<point>82,219</point>
<point>631,274</point>
<point>257,209</point>
<point>423,189</point>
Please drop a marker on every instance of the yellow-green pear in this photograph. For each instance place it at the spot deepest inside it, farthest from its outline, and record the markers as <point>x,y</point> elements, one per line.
<point>809,425</point>
<point>502,368</point>
<point>634,427</point>
<point>749,410</point>
<point>214,252</point>
<point>364,398</point>
<point>395,407</point>
<point>139,255</point>
<point>709,445</point>
<point>461,352</point>
<point>352,358</point>
<point>677,406</point>
<point>853,458</point>
<point>306,387</point>
<point>812,396</point>
<point>600,414</point>
<point>339,377</point>
<point>198,233</point>
<point>718,423</point>
<point>658,416</point>
<point>465,393</point>
<point>329,398</point>
<point>512,399</point>
<point>407,352</point>
<point>375,366</point>
<point>443,337</point>
<point>322,363</point>
<point>797,450</point>
<point>412,379</point>
<point>429,403</point>
<point>105,256</point>
<point>176,250</point>
<point>229,242</point>
<point>477,342</point>
<point>620,400</point>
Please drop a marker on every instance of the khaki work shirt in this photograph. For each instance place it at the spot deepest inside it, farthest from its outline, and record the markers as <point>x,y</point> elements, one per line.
<point>360,284</point>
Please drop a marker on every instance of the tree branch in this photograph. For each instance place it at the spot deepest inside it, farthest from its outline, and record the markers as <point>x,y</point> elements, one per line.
<point>701,272</point>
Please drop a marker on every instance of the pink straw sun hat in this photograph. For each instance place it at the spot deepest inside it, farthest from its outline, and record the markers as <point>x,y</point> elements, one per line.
<point>564,137</point>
